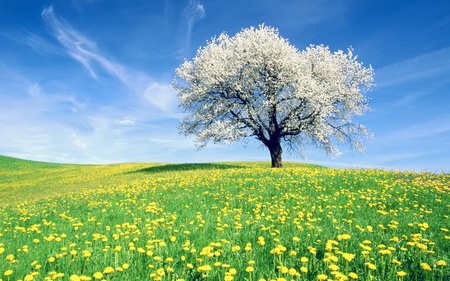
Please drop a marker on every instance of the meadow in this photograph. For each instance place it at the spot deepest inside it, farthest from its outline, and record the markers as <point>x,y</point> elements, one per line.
<point>221,221</point>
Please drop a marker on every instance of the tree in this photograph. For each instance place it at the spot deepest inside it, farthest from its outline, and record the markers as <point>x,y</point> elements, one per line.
<point>256,84</point>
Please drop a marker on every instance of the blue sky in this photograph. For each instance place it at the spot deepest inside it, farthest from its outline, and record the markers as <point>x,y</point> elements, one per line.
<point>88,81</point>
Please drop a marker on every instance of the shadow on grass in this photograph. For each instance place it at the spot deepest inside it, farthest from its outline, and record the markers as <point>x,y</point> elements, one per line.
<point>186,167</point>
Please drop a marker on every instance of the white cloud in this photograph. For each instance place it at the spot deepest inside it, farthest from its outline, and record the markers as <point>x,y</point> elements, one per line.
<point>429,129</point>
<point>35,90</point>
<point>86,52</point>
<point>79,47</point>
<point>427,65</point>
<point>162,96</point>
<point>125,122</point>
<point>193,13</point>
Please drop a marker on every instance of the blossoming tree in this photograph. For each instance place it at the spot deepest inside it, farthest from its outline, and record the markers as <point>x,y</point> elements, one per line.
<point>256,84</point>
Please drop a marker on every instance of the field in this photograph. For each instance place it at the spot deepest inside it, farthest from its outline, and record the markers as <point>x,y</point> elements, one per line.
<point>221,221</point>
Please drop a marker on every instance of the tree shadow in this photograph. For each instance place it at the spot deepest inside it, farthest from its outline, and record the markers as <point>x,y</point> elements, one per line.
<point>186,167</point>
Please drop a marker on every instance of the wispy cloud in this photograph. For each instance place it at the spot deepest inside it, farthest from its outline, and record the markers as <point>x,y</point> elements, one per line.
<point>432,64</point>
<point>192,13</point>
<point>79,47</point>
<point>86,52</point>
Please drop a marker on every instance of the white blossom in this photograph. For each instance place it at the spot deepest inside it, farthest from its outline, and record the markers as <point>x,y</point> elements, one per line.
<point>256,84</point>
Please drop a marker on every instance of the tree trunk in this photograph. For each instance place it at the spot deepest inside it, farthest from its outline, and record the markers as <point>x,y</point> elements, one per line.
<point>275,154</point>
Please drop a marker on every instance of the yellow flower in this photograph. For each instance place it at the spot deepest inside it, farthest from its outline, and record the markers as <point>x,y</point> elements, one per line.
<point>353,275</point>
<point>304,259</point>
<point>370,265</point>
<point>232,271</point>
<point>293,253</point>
<point>51,259</point>
<point>348,257</point>
<point>28,278</point>
<point>8,272</point>
<point>109,269</point>
<point>98,275</point>
<point>249,269</point>
<point>125,266</point>
<point>425,266</point>
<point>343,237</point>
<point>228,278</point>
<point>322,277</point>
<point>401,273</point>
<point>333,267</point>
<point>293,272</point>
<point>443,263</point>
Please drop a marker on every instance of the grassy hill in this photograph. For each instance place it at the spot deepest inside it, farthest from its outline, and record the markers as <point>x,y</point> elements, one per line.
<point>220,221</point>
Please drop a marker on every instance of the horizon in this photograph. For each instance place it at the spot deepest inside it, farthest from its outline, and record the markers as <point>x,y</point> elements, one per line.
<point>88,82</point>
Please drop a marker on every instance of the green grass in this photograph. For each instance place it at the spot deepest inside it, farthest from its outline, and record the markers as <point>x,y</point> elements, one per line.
<point>220,221</point>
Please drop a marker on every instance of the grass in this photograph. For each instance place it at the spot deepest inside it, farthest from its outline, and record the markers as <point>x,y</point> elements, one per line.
<point>221,221</point>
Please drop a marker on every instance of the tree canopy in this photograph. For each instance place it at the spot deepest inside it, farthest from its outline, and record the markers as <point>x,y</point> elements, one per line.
<point>257,84</point>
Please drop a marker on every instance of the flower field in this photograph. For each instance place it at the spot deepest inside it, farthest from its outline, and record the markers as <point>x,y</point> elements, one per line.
<point>221,221</point>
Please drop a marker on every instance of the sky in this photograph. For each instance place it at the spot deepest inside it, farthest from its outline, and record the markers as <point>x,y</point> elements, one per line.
<point>88,81</point>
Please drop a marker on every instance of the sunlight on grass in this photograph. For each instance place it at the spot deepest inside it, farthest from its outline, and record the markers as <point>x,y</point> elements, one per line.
<point>221,221</point>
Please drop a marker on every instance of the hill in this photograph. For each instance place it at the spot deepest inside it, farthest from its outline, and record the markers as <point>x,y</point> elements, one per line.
<point>221,221</point>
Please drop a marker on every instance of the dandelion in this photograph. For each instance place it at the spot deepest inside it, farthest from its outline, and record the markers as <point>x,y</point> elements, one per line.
<point>401,273</point>
<point>292,272</point>
<point>109,269</point>
<point>249,269</point>
<point>353,275</point>
<point>98,275</point>
<point>441,262</point>
<point>370,265</point>
<point>343,237</point>
<point>304,259</point>
<point>333,267</point>
<point>235,248</point>
<point>384,252</point>
<point>425,266</point>
<point>8,272</point>
<point>348,257</point>
<point>322,277</point>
